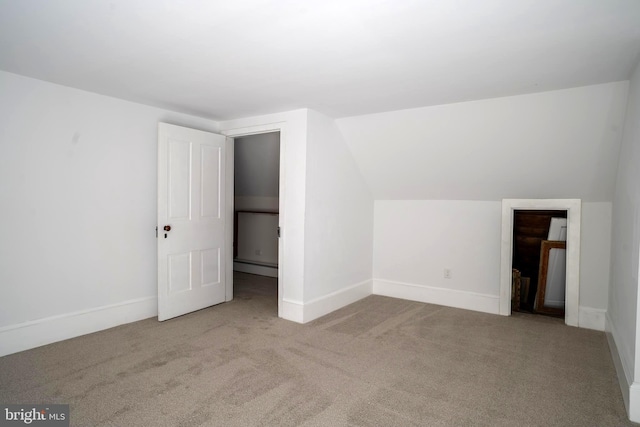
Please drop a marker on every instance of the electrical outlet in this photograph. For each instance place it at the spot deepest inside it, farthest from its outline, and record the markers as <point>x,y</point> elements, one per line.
<point>447,273</point>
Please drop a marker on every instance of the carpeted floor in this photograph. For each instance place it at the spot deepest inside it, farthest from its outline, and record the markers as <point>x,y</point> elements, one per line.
<point>378,362</point>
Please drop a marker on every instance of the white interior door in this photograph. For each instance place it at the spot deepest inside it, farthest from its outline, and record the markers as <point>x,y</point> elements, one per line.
<point>191,220</point>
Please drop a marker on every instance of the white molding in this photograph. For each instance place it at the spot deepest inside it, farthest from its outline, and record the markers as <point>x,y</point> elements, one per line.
<point>260,270</point>
<point>633,410</point>
<point>318,307</point>
<point>630,389</point>
<point>623,381</point>
<point>229,217</point>
<point>441,296</point>
<point>574,212</point>
<point>291,310</point>
<point>28,335</point>
<point>269,126</point>
<point>591,318</point>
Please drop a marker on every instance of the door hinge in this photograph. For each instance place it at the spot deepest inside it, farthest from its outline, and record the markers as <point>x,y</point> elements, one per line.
<point>278,232</point>
<point>156,231</point>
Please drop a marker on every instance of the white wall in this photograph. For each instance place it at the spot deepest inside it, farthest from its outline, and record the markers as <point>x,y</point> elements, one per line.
<point>415,240</point>
<point>257,170</point>
<point>78,190</point>
<point>338,223</point>
<point>622,314</point>
<point>561,144</point>
<point>595,257</point>
<point>257,238</point>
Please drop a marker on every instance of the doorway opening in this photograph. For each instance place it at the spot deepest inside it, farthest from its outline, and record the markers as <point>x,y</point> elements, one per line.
<point>572,275</point>
<point>539,261</point>
<point>256,217</point>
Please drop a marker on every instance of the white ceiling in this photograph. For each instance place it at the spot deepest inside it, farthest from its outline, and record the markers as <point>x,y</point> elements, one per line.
<point>237,58</point>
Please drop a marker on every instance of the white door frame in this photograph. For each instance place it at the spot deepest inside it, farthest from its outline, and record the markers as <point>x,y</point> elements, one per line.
<point>574,212</point>
<point>236,133</point>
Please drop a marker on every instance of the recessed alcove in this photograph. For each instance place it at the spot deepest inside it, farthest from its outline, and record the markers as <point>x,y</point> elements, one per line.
<point>573,208</point>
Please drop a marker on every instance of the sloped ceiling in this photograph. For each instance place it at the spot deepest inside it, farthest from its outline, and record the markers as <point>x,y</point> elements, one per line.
<point>232,59</point>
<point>560,144</point>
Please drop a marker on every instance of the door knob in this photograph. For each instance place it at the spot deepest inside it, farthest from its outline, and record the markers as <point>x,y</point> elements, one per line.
<point>167,228</point>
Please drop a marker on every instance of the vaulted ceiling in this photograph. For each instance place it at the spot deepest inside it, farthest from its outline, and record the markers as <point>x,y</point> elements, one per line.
<point>231,59</point>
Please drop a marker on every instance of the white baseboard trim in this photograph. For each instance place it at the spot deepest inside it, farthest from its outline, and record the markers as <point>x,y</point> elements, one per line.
<point>441,296</point>
<point>299,312</point>
<point>291,310</point>
<point>634,402</point>
<point>321,306</point>
<point>591,318</point>
<point>28,335</point>
<point>630,389</point>
<point>260,270</point>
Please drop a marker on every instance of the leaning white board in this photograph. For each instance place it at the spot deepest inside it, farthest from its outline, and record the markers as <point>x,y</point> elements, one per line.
<point>557,272</point>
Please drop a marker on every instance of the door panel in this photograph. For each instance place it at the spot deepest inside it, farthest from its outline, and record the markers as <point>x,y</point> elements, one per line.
<point>210,262</point>
<point>211,159</point>
<point>191,201</point>
<point>179,273</point>
<point>179,179</point>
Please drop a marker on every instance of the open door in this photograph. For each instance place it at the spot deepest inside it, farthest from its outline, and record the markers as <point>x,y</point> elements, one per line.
<point>191,220</point>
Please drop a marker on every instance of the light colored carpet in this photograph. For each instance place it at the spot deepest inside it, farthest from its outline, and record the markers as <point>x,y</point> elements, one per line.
<point>378,362</point>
